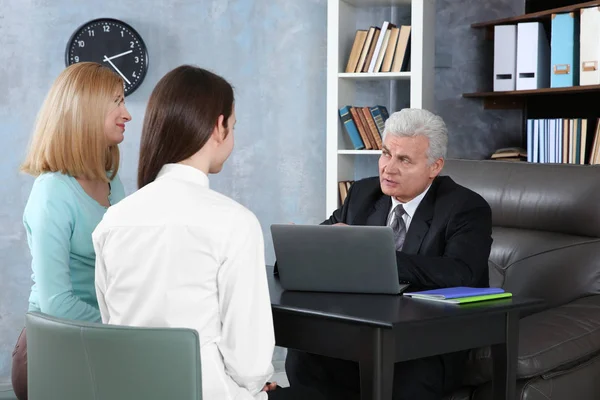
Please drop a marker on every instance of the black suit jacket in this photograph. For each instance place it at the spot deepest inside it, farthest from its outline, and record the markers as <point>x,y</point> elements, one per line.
<point>449,238</point>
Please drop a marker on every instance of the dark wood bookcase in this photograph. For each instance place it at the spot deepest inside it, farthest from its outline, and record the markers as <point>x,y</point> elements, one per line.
<point>565,102</point>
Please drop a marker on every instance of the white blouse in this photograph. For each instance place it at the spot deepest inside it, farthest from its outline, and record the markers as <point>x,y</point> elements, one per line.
<point>178,254</point>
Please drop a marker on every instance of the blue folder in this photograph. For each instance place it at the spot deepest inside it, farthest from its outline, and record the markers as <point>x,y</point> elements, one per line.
<point>454,292</point>
<point>564,50</point>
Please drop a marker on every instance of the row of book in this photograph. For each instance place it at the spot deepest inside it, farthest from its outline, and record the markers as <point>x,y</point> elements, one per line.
<point>385,49</point>
<point>525,59</point>
<point>570,141</point>
<point>344,188</point>
<point>364,125</point>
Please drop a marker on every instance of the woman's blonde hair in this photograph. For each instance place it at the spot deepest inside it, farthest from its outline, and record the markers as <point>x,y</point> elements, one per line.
<point>69,130</point>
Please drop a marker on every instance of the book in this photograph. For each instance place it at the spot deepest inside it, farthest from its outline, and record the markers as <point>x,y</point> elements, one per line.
<point>454,292</point>
<point>350,128</point>
<point>357,46</point>
<point>401,55</point>
<point>391,49</point>
<point>371,50</point>
<point>372,127</point>
<point>365,50</point>
<point>471,299</point>
<point>378,47</point>
<point>361,128</point>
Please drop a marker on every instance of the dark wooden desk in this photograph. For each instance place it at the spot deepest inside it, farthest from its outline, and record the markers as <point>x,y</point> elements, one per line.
<point>372,330</point>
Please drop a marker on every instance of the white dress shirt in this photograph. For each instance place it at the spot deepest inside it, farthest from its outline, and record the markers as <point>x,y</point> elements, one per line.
<point>178,254</point>
<point>409,208</point>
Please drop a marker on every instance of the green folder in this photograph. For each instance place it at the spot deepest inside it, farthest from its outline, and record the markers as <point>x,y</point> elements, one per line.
<point>471,299</point>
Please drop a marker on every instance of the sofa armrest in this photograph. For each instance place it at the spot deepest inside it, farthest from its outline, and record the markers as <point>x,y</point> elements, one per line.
<point>558,337</point>
<point>552,340</point>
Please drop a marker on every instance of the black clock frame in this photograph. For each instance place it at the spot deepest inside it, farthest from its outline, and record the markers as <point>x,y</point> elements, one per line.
<point>83,27</point>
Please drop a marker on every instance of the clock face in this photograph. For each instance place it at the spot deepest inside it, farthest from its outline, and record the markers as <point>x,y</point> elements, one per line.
<point>112,43</point>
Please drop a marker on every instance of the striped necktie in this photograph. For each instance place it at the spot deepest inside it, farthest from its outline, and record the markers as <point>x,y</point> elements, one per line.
<point>398,227</point>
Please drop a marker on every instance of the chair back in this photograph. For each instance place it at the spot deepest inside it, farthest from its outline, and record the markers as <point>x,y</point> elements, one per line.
<point>73,360</point>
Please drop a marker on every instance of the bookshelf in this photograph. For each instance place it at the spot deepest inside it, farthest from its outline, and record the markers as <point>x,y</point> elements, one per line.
<point>574,102</point>
<point>394,90</point>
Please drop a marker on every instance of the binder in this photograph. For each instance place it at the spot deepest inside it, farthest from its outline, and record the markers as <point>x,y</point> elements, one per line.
<point>589,43</point>
<point>564,50</point>
<point>533,56</point>
<point>505,57</point>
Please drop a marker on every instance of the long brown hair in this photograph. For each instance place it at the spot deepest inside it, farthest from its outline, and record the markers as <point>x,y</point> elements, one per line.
<point>69,131</point>
<point>182,112</point>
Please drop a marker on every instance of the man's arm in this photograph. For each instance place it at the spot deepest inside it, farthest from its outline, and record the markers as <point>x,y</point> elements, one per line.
<point>465,258</point>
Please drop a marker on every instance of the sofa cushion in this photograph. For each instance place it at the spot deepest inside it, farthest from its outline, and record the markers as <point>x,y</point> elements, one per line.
<point>580,383</point>
<point>552,266</point>
<point>547,197</point>
<point>546,226</point>
<point>549,342</point>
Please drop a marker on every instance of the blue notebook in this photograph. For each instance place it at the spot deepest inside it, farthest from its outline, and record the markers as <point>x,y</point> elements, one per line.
<point>454,292</point>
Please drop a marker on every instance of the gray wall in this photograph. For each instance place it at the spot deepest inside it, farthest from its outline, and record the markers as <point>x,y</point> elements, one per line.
<point>464,62</point>
<point>273,52</point>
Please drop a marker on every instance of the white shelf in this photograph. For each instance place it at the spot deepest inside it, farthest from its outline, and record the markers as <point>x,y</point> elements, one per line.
<point>374,76</point>
<point>359,152</point>
<point>377,3</point>
<point>393,90</point>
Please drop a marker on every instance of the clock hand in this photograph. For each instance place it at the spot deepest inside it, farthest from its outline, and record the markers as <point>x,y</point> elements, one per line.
<point>116,69</point>
<point>120,55</point>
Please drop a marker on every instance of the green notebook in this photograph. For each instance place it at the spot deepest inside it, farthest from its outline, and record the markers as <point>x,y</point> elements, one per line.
<point>471,299</point>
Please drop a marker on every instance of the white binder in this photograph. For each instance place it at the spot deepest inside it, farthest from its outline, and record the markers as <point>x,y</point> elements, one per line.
<point>505,57</point>
<point>589,50</point>
<point>533,56</point>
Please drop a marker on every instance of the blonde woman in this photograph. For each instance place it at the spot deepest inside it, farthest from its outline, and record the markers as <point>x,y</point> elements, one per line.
<point>75,156</point>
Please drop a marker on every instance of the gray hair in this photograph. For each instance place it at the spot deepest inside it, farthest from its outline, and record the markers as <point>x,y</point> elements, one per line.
<point>411,122</point>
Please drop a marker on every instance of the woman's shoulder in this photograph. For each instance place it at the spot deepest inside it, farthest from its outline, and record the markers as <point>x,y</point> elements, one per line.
<point>51,191</point>
<point>239,213</point>
<point>52,185</point>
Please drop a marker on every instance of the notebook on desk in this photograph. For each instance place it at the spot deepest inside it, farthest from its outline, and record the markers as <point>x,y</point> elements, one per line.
<point>345,259</point>
<point>460,294</point>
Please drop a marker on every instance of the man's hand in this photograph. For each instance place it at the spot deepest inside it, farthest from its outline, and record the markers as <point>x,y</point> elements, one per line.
<point>340,223</point>
<point>270,386</point>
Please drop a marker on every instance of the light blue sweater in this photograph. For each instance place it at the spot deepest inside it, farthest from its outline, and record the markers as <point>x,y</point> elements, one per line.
<point>59,219</point>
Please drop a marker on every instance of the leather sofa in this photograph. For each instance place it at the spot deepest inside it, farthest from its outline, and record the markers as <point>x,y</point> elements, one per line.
<point>546,231</point>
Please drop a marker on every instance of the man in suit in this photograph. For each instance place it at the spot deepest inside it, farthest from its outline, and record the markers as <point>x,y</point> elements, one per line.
<point>443,238</point>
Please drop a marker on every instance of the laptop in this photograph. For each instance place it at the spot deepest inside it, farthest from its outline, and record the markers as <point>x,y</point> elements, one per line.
<point>344,259</point>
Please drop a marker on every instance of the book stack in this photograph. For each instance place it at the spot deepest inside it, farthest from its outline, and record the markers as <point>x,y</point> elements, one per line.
<point>364,125</point>
<point>460,294</point>
<point>385,49</point>
<point>344,187</point>
<point>510,154</point>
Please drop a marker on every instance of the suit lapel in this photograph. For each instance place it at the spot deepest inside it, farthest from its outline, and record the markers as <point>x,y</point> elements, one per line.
<point>421,221</point>
<point>376,211</point>
<point>380,211</point>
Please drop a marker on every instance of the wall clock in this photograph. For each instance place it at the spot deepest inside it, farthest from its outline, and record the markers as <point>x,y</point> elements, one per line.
<point>112,43</point>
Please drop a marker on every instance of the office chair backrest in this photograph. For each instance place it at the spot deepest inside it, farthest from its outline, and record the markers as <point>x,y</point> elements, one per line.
<point>72,360</point>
